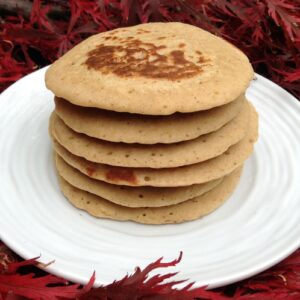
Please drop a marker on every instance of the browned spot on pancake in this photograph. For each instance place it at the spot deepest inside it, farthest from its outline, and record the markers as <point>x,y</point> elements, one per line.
<point>181,45</point>
<point>113,33</point>
<point>161,38</point>
<point>121,174</point>
<point>90,171</point>
<point>140,31</point>
<point>135,58</point>
<point>201,58</point>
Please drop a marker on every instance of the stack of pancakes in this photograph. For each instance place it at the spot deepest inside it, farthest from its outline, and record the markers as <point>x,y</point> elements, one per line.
<point>151,123</point>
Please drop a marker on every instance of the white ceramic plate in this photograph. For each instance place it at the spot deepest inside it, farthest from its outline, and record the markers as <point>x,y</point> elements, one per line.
<point>257,227</point>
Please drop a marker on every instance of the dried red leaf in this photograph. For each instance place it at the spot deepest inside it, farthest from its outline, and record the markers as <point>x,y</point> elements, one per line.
<point>36,288</point>
<point>284,13</point>
<point>47,287</point>
<point>14,266</point>
<point>125,6</point>
<point>293,76</point>
<point>140,286</point>
<point>150,11</point>
<point>279,282</point>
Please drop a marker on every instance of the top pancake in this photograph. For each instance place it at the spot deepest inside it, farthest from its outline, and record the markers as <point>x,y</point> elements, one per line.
<point>154,69</point>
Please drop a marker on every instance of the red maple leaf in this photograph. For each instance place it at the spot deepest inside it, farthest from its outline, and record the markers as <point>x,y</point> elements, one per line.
<point>47,287</point>
<point>139,286</point>
<point>285,13</point>
<point>293,76</point>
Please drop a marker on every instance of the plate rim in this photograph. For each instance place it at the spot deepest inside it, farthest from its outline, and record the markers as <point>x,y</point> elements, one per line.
<point>9,241</point>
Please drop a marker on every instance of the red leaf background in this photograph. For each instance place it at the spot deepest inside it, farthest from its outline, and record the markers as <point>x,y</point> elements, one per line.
<point>35,33</point>
<point>23,280</point>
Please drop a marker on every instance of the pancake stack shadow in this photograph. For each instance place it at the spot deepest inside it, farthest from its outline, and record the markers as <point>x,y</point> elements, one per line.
<point>173,160</point>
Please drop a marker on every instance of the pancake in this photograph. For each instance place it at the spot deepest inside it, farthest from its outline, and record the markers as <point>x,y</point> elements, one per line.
<point>185,211</point>
<point>152,156</point>
<point>133,128</point>
<point>152,69</point>
<point>169,177</point>
<point>131,196</point>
